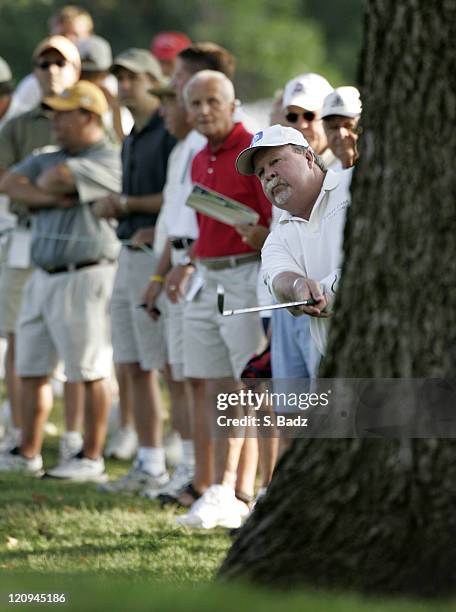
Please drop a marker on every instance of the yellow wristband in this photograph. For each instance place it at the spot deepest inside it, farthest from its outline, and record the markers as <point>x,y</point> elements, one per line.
<point>157,277</point>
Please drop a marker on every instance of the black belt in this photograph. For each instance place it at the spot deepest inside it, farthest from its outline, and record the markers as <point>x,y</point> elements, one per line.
<point>77,266</point>
<point>182,243</point>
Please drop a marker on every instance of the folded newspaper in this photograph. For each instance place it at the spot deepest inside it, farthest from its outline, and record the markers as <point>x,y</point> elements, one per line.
<point>219,207</point>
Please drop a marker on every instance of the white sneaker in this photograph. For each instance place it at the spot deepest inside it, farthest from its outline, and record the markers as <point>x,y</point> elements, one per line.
<point>70,445</point>
<point>155,487</point>
<point>11,440</point>
<point>134,481</point>
<point>14,462</point>
<point>123,444</point>
<point>80,469</point>
<point>182,475</point>
<point>218,507</point>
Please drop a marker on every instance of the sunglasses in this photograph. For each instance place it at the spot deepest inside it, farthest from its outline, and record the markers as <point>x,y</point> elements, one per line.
<point>46,64</point>
<point>293,117</point>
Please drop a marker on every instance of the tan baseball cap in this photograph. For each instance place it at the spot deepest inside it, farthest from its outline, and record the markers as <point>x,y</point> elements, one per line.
<point>84,95</point>
<point>163,91</point>
<point>139,60</point>
<point>61,44</point>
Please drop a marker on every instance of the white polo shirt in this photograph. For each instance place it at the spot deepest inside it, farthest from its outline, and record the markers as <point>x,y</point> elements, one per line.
<point>312,247</point>
<point>181,221</point>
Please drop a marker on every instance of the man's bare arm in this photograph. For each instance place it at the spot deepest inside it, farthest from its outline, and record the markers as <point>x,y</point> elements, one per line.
<point>58,180</point>
<point>20,189</point>
<point>150,203</point>
<point>111,206</point>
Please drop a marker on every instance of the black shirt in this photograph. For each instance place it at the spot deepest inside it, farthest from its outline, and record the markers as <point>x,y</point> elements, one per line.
<point>144,162</point>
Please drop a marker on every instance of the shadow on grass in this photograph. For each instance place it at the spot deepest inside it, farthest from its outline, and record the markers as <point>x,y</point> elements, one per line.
<point>20,489</point>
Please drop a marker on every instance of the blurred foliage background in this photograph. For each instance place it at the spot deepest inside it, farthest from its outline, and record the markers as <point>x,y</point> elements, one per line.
<point>272,41</point>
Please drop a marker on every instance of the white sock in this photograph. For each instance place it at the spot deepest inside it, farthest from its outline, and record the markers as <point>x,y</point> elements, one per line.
<point>74,436</point>
<point>188,452</point>
<point>152,460</point>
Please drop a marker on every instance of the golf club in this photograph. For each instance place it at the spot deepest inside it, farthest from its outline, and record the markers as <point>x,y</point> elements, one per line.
<point>228,313</point>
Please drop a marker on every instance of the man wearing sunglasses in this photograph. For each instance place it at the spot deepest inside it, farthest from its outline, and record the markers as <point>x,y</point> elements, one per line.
<point>57,66</point>
<point>303,99</point>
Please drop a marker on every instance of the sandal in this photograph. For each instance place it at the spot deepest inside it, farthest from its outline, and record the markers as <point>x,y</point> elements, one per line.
<point>189,490</point>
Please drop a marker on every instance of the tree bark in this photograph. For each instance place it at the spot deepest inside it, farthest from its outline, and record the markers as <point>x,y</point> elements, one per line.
<point>380,515</point>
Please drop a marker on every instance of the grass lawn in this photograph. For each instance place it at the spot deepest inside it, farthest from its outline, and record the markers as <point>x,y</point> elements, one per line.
<point>125,553</point>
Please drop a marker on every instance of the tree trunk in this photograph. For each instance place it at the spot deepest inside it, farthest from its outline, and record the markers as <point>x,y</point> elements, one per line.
<point>380,515</point>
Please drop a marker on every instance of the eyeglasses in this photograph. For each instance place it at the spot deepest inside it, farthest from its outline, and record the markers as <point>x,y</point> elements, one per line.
<point>46,64</point>
<point>293,117</point>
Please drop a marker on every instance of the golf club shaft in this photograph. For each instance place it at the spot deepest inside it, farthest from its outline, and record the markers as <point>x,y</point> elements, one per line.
<point>228,313</point>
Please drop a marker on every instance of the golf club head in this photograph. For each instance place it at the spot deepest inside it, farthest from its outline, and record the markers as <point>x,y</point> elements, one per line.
<point>220,298</point>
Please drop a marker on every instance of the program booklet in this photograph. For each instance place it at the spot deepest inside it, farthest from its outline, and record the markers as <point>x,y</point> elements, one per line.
<point>219,207</point>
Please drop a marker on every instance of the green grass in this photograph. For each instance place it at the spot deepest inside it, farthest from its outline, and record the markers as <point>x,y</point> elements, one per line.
<point>63,527</point>
<point>125,553</point>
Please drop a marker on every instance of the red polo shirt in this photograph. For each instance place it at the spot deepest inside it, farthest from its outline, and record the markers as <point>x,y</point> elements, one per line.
<point>216,170</point>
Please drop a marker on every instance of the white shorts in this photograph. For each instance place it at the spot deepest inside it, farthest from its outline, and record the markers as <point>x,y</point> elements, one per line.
<point>65,316</point>
<point>216,346</point>
<point>136,338</point>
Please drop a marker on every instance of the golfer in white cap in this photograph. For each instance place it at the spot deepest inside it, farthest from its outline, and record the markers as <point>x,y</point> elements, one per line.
<point>302,256</point>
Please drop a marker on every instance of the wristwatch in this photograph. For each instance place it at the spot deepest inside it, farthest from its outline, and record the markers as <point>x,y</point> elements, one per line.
<point>123,202</point>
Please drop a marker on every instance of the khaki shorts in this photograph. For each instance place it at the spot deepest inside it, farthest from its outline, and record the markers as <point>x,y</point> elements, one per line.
<point>217,346</point>
<point>65,316</point>
<point>136,338</point>
<point>175,339</point>
<point>12,281</point>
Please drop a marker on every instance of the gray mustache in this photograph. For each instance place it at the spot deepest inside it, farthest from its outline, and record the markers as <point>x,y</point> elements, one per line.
<point>273,183</point>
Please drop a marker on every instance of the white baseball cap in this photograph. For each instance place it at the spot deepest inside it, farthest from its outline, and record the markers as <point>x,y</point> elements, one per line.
<point>344,101</point>
<point>307,91</point>
<point>273,136</point>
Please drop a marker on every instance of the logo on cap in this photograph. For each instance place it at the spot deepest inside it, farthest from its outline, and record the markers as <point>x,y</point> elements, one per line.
<point>258,136</point>
<point>298,87</point>
<point>337,101</point>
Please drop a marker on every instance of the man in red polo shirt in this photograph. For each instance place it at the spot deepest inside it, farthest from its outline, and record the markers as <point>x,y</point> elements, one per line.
<point>217,348</point>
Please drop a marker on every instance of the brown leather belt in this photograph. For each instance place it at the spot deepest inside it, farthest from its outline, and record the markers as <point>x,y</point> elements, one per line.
<point>233,261</point>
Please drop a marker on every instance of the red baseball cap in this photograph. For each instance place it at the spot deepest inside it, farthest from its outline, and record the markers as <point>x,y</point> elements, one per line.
<point>166,45</point>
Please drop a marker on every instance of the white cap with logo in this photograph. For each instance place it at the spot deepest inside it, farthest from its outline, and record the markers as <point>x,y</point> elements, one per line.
<point>273,136</point>
<point>344,101</point>
<point>307,91</point>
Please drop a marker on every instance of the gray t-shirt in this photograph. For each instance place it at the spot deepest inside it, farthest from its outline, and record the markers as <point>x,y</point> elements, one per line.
<point>97,172</point>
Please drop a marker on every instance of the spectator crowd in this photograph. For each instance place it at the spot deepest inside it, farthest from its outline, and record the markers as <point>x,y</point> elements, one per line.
<point>111,284</point>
